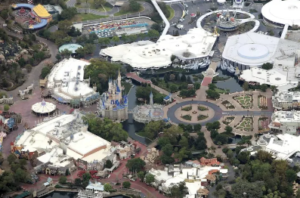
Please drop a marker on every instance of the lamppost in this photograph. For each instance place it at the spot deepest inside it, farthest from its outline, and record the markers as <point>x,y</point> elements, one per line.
<point>245,194</point>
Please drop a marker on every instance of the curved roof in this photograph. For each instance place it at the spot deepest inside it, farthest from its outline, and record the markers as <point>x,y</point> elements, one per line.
<point>22,5</point>
<point>39,25</point>
<point>71,47</point>
<point>283,12</point>
<point>41,11</point>
<point>43,107</point>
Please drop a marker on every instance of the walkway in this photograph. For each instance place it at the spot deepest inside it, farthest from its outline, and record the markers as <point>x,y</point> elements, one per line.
<point>134,76</point>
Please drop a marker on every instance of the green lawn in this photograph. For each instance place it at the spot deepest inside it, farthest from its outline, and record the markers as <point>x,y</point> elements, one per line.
<point>172,12</point>
<point>86,17</point>
<point>202,117</point>
<point>187,117</point>
<point>127,86</point>
<point>188,108</point>
<point>221,91</point>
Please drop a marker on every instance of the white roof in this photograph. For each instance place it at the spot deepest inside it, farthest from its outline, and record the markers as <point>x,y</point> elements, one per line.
<point>169,181</point>
<point>67,79</point>
<point>80,145</point>
<point>287,96</point>
<point>43,107</point>
<point>282,12</point>
<point>250,48</point>
<point>146,54</point>
<point>286,116</point>
<point>284,146</point>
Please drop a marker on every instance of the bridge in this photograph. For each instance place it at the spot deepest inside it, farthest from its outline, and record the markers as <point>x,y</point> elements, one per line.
<point>134,76</point>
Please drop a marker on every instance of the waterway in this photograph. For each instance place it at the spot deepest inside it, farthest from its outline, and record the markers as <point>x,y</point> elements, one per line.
<point>231,84</point>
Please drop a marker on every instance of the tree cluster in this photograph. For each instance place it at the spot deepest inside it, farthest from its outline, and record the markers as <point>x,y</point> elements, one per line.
<point>135,165</point>
<point>10,180</point>
<point>211,92</point>
<point>267,66</point>
<point>144,91</point>
<point>152,129</point>
<point>176,143</point>
<point>262,176</point>
<point>219,138</point>
<point>105,128</point>
<point>100,71</point>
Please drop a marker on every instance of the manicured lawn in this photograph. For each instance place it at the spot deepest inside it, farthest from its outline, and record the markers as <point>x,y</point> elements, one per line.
<point>187,117</point>
<point>202,108</point>
<point>246,124</point>
<point>202,117</point>
<point>245,101</point>
<point>86,17</point>
<point>127,86</point>
<point>172,12</point>
<point>188,108</point>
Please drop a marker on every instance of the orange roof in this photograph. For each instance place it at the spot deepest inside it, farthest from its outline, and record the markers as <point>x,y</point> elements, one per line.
<point>41,11</point>
<point>209,162</point>
<point>213,171</point>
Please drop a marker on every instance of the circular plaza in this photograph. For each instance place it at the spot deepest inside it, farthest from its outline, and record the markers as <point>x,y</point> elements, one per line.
<point>194,112</point>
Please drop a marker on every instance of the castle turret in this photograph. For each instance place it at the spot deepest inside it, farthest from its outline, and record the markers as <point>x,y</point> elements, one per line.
<point>119,85</point>
<point>151,98</point>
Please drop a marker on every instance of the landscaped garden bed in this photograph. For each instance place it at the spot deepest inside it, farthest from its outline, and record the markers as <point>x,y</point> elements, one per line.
<point>187,108</point>
<point>246,124</point>
<point>262,102</point>
<point>227,104</point>
<point>187,117</point>
<point>202,117</point>
<point>228,120</point>
<point>202,108</point>
<point>245,101</point>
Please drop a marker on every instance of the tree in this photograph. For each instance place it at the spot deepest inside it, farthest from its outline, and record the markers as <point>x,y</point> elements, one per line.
<point>45,71</point>
<point>267,66</point>
<point>163,141</point>
<point>65,25</point>
<point>105,128</point>
<point>156,27</point>
<point>197,85</point>
<point>291,175</point>
<point>6,107</point>
<point>153,34</point>
<point>103,41</point>
<point>184,142</point>
<point>134,6</point>
<point>172,133</point>
<point>153,128</point>
<point>135,165</point>
<point>264,87</point>
<point>246,86</point>
<point>98,3</point>
<point>4,14</point>
<point>62,179</point>
<point>126,184</point>
<point>28,67</point>
<point>115,39</point>
<point>108,164</point>
<point>243,157</point>
<point>77,182</point>
<point>149,178</point>
<point>141,175</point>
<point>212,94</point>
<point>253,189</point>
<point>65,53</point>
<point>179,190</point>
<point>228,129</point>
<point>107,187</point>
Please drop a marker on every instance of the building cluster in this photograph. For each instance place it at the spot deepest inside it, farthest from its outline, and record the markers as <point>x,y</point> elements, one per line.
<point>63,144</point>
<point>142,55</point>
<point>196,175</point>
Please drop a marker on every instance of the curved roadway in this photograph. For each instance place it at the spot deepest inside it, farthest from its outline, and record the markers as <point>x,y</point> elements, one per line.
<point>218,112</point>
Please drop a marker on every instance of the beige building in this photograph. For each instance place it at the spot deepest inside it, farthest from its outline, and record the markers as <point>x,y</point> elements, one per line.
<point>286,100</point>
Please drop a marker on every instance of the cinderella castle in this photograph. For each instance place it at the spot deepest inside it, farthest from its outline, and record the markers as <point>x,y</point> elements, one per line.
<point>112,104</point>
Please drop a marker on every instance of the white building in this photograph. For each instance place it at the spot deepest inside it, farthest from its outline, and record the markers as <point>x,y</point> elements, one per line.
<point>285,100</point>
<point>280,12</point>
<point>193,177</point>
<point>287,122</point>
<point>197,43</point>
<point>252,50</point>
<point>66,82</point>
<point>61,139</point>
<point>282,146</point>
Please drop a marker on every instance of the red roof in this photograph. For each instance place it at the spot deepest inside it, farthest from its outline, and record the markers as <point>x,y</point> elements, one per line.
<point>213,171</point>
<point>209,162</point>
